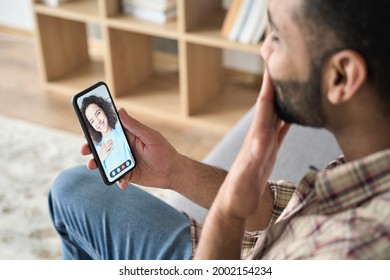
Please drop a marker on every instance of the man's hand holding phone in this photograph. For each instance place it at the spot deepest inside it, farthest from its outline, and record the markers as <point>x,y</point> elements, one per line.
<point>158,163</point>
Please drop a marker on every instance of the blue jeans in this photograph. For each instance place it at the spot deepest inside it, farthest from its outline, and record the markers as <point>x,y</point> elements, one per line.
<point>96,221</point>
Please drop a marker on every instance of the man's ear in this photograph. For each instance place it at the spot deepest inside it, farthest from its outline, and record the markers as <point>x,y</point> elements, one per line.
<point>347,72</point>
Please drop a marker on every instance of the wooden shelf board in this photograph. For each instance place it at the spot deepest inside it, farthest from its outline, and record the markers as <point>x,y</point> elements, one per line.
<point>226,109</point>
<point>159,97</point>
<point>79,79</point>
<point>124,22</point>
<point>213,38</point>
<point>85,10</point>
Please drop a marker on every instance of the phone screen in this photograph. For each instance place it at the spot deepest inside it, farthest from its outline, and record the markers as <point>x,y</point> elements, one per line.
<point>104,132</point>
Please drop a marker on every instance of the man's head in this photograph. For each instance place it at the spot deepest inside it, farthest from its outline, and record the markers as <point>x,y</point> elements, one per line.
<point>322,54</point>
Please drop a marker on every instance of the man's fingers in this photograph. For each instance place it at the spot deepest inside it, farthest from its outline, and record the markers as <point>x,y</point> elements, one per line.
<point>136,129</point>
<point>91,164</point>
<point>85,150</point>
<point>132,125</point>
<point>265,117</point>
<point>123,183</point>
<point>284,127</point>
<point>267,90</point>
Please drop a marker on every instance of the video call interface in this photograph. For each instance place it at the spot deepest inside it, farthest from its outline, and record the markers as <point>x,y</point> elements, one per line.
<point>117,159</point>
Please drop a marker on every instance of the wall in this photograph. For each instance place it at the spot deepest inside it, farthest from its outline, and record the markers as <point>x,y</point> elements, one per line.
<point>16,13</point>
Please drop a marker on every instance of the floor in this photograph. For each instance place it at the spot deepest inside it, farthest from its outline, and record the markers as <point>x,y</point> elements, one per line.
<point>22,97</point>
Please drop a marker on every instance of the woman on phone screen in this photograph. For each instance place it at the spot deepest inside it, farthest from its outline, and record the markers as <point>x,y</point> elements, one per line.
<point>102,122</point>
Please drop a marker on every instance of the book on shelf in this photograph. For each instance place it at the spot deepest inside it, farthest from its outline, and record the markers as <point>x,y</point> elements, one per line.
<point>240,19</point>
<point>230,16</point>
<point>158,11</point>
<point>255,24</point>
<point>54,3</point>
<point>245,21</point>
<point>262,27</point>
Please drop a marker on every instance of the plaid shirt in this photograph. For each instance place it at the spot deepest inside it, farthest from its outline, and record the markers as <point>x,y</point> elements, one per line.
<point>342,212</point>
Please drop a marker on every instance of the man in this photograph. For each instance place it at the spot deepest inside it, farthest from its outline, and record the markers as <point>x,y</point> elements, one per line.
<point>326,63</point>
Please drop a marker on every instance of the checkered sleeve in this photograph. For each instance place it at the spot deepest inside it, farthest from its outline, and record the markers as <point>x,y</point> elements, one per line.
<point>248,242</point>
<point>282,192</point>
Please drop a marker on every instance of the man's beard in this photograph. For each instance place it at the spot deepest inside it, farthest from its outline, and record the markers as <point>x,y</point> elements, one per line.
<point>300,103</point>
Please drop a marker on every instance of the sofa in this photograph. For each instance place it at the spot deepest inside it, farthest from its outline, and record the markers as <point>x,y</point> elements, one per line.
<point>303,148</point>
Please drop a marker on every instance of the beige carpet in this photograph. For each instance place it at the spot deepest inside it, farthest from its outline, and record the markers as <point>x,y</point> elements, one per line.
<point>31,158</point>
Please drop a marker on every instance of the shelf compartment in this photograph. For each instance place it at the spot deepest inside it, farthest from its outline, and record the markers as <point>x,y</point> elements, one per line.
<point>136,79</point>
<point>67,63</point>
<point>82,77</point>
<point>205,76</point>
<point>159,97</point>
<point>128,69</point>
<point>211,95</point>
<point>196,12</point>
<point>227,108</point>
<point>82,10</point>
<point>203,24</point>
<point>208,32</point>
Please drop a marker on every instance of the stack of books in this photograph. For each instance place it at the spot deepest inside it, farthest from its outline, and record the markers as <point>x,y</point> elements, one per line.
<point>245,21</point>
<point>158,11</point>
<point>54,3</point>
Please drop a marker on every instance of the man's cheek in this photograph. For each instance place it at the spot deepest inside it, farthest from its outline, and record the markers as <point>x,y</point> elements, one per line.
<point>283,68</point>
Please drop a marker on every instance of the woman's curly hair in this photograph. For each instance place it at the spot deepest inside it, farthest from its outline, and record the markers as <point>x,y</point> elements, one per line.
<point>107,109</point>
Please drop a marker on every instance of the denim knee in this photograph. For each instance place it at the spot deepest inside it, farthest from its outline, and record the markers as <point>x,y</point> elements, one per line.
<point>70,187</point>
<point>67,182</point>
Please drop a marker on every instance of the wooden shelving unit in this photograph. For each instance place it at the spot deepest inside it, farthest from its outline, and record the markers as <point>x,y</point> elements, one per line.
<point>197,91</point>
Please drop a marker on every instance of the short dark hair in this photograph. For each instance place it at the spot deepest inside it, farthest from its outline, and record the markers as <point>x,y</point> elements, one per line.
<point>359,25</point>
<point>107,109</point>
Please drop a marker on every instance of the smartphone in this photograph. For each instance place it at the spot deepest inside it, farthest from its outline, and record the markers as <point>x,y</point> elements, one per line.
<point>104,132</point>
